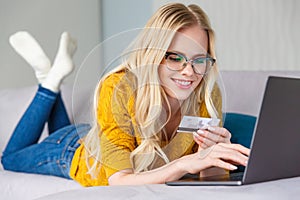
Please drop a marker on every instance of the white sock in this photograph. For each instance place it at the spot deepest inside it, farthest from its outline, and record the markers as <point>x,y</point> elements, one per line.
<point>26,46</point>
<point>63,64</point>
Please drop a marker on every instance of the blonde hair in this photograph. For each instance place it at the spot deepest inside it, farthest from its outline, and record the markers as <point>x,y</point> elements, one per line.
<point>143,60</point>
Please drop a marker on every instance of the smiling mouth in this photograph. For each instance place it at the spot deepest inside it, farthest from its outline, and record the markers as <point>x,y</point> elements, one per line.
<point>182,83</point>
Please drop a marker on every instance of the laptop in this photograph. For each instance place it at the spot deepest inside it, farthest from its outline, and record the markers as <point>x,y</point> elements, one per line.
<point>275,144</point>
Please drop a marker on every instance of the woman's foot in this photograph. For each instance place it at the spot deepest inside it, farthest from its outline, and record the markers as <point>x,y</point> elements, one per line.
<point>27,47</point>
<point>63,64</point>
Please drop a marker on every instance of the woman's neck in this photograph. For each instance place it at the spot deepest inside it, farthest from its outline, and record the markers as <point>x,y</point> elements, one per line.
<point>175,106</point>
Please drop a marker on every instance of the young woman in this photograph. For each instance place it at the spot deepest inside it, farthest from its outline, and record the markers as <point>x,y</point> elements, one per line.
<point>169,72</point>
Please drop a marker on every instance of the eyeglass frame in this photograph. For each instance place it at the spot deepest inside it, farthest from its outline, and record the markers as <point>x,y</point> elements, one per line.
<point>213,60</point>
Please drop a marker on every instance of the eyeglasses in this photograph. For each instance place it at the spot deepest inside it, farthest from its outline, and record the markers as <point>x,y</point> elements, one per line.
<point>200,65</point>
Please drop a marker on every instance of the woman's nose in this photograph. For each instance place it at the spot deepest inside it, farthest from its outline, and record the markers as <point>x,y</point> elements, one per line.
<point>188,69</point>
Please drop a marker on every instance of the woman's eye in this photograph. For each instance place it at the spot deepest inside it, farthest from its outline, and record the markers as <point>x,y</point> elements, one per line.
<point>175,58</point>
<point>199,61</point>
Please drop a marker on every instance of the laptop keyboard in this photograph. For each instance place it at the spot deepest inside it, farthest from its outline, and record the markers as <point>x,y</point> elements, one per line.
<point>236,176</point>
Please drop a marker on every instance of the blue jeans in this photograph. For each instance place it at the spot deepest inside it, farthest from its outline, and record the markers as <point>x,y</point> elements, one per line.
<point>52,156</point>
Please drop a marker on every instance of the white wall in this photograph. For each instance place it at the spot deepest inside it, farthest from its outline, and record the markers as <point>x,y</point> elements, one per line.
<point>254,34</point>
<point>251,35</point>
<point>120,21</point>
<point>45,20</point>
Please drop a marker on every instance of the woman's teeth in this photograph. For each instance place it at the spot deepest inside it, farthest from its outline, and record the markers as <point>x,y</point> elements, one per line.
<point>184,83</point>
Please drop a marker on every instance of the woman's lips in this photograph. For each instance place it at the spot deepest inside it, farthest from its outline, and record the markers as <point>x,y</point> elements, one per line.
<point>184,84</point>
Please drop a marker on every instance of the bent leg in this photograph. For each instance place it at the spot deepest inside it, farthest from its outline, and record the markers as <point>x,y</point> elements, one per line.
<point>53,156</point>
<point>59,117</point>
<point>31,125</point>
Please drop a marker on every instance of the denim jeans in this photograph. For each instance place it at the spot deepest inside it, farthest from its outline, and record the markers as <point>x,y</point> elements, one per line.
<point>52,156</point>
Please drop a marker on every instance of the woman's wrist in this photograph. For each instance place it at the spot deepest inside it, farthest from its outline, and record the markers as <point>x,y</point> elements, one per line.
<point>180,165</point>
<point>184,164</point>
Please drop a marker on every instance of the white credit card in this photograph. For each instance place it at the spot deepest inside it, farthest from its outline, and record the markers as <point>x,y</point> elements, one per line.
<point>192,123</point>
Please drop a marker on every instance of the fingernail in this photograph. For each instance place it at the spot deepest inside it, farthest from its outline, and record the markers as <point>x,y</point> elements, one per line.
<point>233,167</point>
<point>200,132</point>
<point>195,134</point>
<point>210,128</point>
<point>246,162</point>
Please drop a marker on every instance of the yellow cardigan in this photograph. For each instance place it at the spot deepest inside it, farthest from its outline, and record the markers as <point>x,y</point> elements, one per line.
<point>120,134</point>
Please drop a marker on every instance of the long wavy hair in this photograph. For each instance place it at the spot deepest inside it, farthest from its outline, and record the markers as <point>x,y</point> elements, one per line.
<point>145,54</point>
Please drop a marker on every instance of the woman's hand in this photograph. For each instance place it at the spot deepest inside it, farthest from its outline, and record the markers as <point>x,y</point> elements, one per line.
<point>222,155</point>
<point>212,135</point>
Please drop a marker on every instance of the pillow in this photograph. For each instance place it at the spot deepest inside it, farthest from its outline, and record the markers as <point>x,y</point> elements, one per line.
<point>241,127</point>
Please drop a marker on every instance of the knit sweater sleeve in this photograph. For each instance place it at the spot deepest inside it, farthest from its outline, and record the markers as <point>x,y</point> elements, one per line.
<point>115,116</point>
<point>115,120</point>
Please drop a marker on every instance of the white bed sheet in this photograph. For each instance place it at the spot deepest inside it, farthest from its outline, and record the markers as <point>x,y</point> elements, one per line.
<point>273,190</point>
<point>23,186</point>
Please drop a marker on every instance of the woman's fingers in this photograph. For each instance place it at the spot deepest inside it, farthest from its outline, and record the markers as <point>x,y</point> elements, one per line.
<point>223,132</point>
<point>228,153</point>
<point>209,138</point>
<point>222,155</point>
<point>220,133</point>
<point>225,165</point>
<point>237,147</point>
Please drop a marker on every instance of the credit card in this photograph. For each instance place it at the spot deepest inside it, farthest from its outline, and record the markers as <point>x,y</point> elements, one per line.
<point>192,123</point>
